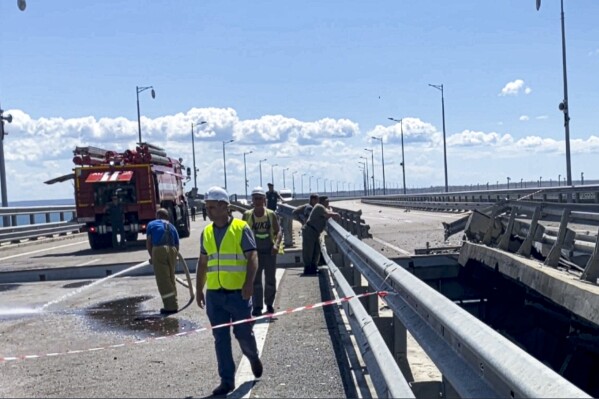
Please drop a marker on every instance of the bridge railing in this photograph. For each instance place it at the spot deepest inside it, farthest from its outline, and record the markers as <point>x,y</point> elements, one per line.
<point>24,222</point>
<point>475,360</point>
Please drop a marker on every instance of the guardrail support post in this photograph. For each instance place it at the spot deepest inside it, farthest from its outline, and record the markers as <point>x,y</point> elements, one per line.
<point>287,226</point>
<point>491,226</point>
<point>504,243</point>
<point>526,246</point>
<point>31,218</point>
<point>591,270</point>
<point>556,250</point>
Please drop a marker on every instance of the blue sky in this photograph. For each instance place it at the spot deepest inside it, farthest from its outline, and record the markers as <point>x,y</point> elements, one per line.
<point>303,84</point>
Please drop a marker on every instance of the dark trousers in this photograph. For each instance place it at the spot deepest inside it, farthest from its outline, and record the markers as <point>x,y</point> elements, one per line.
<point>310,248</point>
<point>118,228</point>
<point>224,307</point>
<point>267,263</point>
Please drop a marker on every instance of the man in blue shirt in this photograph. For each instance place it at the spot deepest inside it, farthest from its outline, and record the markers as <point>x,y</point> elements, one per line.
<point>162,244</point>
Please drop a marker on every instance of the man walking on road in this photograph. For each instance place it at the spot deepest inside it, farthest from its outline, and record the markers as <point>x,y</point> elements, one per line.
<point>265,226</point>
<point>227,265</point>
<point>272,197</point>
<point>311,234</point>
<point>162,243</point>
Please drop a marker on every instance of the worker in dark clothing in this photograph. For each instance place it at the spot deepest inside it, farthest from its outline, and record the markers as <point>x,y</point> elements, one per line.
<point>116,215</point>
<point>311,234</point>
<point>162,243</point>
<point>193,213</point>
<point>272,197</point>
<point>204,211</point>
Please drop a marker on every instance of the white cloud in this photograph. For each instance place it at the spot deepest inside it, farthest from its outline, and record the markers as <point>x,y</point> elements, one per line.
<point>541,117</point>
<point>524,117</point>
<point>469,138</point>
<point>514,88</point>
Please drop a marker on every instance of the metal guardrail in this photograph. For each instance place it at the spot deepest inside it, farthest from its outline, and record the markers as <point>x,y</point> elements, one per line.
<point>473,358</point>
<point>12,232</point>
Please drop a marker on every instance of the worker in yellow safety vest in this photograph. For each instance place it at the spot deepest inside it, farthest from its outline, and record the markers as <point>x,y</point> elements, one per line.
<point>227,265</point>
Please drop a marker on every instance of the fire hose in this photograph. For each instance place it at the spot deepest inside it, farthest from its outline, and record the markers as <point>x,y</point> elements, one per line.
<point>187,284</point>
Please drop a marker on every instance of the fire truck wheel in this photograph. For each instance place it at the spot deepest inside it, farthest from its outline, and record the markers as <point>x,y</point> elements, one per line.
<point>99,241</point>
<point>185,231</point>
<point>131,237</point>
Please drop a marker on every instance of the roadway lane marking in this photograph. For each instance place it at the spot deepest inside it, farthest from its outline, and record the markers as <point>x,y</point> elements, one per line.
<point>89,262</point>
<point>244,375</point>
<point>43,250</point>
<point>385,243</point>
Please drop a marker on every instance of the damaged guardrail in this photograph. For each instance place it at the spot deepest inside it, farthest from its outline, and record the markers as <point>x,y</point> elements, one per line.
<point>475,360</point>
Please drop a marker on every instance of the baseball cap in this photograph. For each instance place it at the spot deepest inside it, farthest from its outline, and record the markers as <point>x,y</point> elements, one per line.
<point>258,190</point>
<point>216,193</point>
<point>270,184</point>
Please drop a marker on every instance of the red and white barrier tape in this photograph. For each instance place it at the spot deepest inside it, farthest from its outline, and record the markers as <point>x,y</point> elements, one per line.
<point>181,334</point>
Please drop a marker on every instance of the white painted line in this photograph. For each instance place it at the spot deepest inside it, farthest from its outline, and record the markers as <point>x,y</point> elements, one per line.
<point>88,262</point>
<point>43,250</point>
<point>385,243</point>
<point>244,371</point>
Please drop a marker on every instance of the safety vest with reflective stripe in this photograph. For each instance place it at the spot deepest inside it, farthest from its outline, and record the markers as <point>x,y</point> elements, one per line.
<point>227,266</point>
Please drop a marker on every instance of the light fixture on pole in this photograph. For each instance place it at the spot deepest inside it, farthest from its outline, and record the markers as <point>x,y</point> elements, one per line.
<point>193,154</point>
<point>440,87</point>
<point>403,160</point>
<point>272,173</point>
<point>284,183</point>
<point>21,4</point>
<point>382,161</point>
<point>260,165</point>
<point>245,173</point>
<point>564,106</point>
<point>7,118</point>
<point>139,90</point>
<point>225,142</point>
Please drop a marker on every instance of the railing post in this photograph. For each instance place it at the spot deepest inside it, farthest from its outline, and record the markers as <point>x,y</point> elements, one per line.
<point>526,246</point>
<point>591,270</point>
<point>556,250</point>
<point>504,243</point>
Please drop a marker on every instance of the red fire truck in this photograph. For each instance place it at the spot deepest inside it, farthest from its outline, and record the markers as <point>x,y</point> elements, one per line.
<point>143,179</point>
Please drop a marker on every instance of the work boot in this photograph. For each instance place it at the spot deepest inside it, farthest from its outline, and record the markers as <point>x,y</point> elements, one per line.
<point>270,309</point>
<point>257,368</point>
<point>223,389</point>
<point>257,312</point>
<point>168,311</point>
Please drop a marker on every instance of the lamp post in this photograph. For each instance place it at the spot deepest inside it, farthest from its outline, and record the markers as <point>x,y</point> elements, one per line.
<point>8,118</point>
<point>138,90</point>
<point>317,179</point>
<point>382,161</point>
<point>540,181</point>
<point>284,183</point>
<point>403,164</point>
<point>272,173</point>
<point>440,87</point>
<point>367,175</point>
<point>372,159</point>
<point>193,153</point>
<point>310,184</point>
<point>363,169</point>
<point>225,142</point>
<point>260,164</point>
<point>563,106</point>
<point>521,182</point>
<point>245,173</point>
<point>293,183</point>
<point>582,178</point>
<point>508,183</point>
<point>559,180</point>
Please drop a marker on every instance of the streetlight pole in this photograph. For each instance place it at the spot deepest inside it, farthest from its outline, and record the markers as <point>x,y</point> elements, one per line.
<point>225,142</point>
<point>382,162</point>
<point>317,179</point>
<point>372,159</point>
<point>245,173</point>
<point>440,87</point>
<point>310,184</point>
<point>304,174</point>
<point>403,163</point>
<point>193,153</point>
<point>260,163</point>
<point>508,183</point>
<point>138,90</point>
<point>8,118</point>
<point>564,106</point>
<point>272,173</point>
<point>367,175</point>
<point>284,183</point>
<point>293,183</point>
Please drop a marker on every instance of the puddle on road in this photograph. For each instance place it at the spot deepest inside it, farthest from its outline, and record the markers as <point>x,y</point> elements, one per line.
<point>78,284</point>
<point>125,315</point>
<point>9,287</point>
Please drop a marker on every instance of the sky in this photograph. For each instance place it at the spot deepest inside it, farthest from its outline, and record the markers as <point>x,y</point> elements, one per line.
<point>304,85</point>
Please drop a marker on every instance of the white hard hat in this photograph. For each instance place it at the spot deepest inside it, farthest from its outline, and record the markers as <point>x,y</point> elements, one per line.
<point>258,190</point>
<point>216,194</point>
